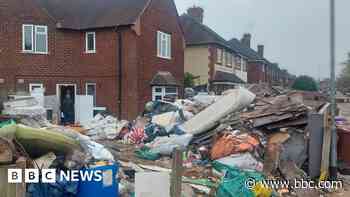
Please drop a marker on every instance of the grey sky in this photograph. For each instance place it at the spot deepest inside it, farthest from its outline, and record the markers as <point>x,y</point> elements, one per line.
<point>295,32</point>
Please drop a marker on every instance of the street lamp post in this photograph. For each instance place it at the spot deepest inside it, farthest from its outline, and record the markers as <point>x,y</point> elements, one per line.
<point>333,163</point>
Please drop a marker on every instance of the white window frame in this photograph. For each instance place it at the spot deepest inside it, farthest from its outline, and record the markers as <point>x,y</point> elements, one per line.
<point>163,93</point>
<point>33,38</point>
<point>228,59</point>
<point>31,85</point>
<point>86,91</point>
<point>87,42</point>
<point>46,38</point>
<point>164,51</point>
<point>244,65</point>
<point>219,55</point>
<point>238,62</point>
<point>23,38</point>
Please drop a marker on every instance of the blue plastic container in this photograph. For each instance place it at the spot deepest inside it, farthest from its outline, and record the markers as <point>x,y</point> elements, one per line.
<point>107,187</point>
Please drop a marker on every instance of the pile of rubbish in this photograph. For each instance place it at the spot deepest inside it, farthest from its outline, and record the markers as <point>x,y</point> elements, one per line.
<point>28,140</point>
<point>28,106</point>
<point>224,141</point>
<point>276,113</point>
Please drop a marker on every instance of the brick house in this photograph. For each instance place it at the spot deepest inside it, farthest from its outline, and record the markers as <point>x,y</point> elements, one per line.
<point>114,50</point>
<point>257,64</point>
<point>260,69</point>
<point>214,63</point>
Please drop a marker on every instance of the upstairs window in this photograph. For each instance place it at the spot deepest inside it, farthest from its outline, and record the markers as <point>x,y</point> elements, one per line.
<point>34,38</point>
<point>219,56</point>
<point>238,62</point>
<point>90,42</point>
<point>244,62</point>
<point>228,59</point>
<point>163,45</point>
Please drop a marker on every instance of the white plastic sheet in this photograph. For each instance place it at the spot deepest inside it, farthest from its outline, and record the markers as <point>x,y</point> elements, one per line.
<point>244,161</point>
<point>166,145</point>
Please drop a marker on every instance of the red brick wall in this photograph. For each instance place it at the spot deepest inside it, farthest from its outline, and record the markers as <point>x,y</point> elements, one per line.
<point>66,62</point>
<point>160,15</point>
<point>255,73</point>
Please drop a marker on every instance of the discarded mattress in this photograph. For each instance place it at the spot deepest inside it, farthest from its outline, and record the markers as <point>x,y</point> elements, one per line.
<point>234,101</point>
<point>40,141</point>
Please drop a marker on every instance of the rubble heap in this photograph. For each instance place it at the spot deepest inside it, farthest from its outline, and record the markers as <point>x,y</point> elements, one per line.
<point>224,141</point>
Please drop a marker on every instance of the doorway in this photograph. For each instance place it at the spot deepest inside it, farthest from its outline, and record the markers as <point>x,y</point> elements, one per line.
<point>66,94</point>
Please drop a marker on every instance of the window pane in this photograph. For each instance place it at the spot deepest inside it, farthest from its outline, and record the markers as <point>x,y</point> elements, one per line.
<point>35,87</point>
<point>219,56</point>
<point>158,89</point>
<point>91,42</point>
<point>158,98</point>
<point>170,90</point>
<point>163,48</point>
<point>40,43</point>
<point>28,42</point>
<point>163,45</point>
<point>169,46</point>
<point>91,90</point>
<point>40,30</point>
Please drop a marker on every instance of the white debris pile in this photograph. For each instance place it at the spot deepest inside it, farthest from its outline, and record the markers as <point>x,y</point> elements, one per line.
<point>104,127</point>
<point>27,106</point>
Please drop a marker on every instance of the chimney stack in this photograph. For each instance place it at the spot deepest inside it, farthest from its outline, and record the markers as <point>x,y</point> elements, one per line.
<point>261,50</point>
<point>197,13</point>
<point>246,39</point>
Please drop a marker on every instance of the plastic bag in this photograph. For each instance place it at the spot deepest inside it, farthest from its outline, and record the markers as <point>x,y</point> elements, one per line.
<point>233,183</point>
<point>145,153</point>
<point>166,145</point>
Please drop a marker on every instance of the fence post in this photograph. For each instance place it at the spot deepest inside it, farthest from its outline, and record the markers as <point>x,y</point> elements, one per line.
<point>176,173</point>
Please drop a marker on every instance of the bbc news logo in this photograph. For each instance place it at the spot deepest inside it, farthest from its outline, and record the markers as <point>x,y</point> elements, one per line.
<point>52,175</point>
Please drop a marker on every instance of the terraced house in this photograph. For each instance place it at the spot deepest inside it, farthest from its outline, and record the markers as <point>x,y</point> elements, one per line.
<point>122,52</point>
<point>209,57</point>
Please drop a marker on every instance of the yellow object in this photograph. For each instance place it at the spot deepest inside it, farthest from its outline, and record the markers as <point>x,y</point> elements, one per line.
<point>261,190</point>
<point>323,176</point>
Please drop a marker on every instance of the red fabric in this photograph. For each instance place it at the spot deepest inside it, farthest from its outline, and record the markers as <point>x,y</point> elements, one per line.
<point>137,135</point>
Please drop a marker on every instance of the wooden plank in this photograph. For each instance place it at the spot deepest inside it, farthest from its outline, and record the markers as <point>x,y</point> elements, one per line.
<point>21,190</point>
<point>176,175</point>
<point>6,151</point>
<point>315,128</point>
<point>10,189</point>
<point>326,147</point>
<point>271,119</point>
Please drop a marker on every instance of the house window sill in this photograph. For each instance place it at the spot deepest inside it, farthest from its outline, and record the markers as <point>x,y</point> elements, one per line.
<point>35,53</point>
<point>90,52</point>
<point>167,58</point>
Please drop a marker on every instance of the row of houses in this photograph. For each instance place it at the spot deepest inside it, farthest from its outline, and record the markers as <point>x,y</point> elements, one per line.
<point>121,52</point>
<point>219,64</point>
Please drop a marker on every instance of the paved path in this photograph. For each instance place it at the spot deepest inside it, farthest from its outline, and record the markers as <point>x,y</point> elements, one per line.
<point>344,110</point>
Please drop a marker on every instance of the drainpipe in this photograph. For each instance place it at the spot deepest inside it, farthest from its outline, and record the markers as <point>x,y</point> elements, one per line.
<point>119,70</point>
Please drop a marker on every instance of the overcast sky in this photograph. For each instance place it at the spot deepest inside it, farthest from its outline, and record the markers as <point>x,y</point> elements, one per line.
<point>295,32</point>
